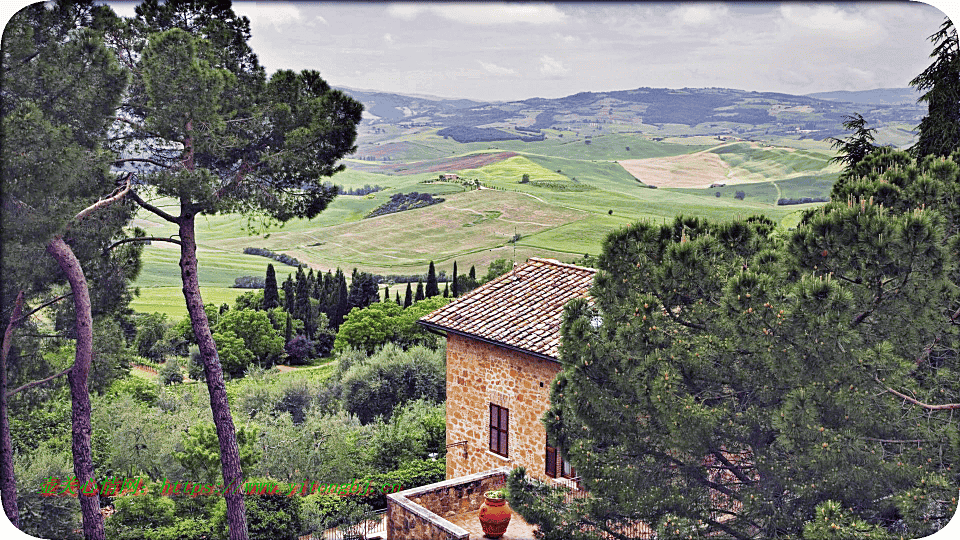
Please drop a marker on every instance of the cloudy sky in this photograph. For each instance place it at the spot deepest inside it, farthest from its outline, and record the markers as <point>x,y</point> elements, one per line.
<point>509,51</point>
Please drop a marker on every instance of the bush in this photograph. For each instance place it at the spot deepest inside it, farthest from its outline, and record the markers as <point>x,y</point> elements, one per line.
<point>140,389</point>
<point>269,516</point>
<point>259,336</point>
<point>414,431</point>
<point>295,400</point>
<point>392,377</point>
<point>739,195</point>
<point>413,474</point>
<point>322,511</point>
<point>195,365</point>
<point>234,356</point>
<point>139,516</point>
<point>249,282</point>
<point>299,350</point>
<point>170,372</point>
<point>151,329</point>
<point>279,257</point>
<point>46,517</point>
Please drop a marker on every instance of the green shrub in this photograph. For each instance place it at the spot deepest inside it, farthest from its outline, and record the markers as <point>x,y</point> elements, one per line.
<point>170,372</point>
<point>392,377</point>
<point>270,516</point>
<point>140,389</point>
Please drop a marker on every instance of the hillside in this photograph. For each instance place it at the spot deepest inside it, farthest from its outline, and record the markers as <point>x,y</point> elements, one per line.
<point>879,96</point>
<point>594,162</point>
<point>652,111</point>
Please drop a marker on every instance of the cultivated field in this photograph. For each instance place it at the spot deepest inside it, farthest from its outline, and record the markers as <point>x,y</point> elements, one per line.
<point>577,194</point>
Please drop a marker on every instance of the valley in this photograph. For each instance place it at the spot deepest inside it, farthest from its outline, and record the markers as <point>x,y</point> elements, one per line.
<point>595,168</point>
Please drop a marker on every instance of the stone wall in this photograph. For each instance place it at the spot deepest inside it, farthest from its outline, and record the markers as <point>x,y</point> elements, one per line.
<point>479,374</point>
<point>419,513</point>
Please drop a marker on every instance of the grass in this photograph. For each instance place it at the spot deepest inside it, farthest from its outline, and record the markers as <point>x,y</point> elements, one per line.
<point>474,227</point>
<point>169,300</point>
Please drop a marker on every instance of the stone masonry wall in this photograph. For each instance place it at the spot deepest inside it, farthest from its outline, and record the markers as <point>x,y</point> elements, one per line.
<point>479,374</point>
<point>419,513</point>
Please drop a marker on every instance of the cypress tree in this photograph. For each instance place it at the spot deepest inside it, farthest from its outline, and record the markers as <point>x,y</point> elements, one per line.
<point>271,296</point>
<point>455,290</point>
<point>386,293</point>
<point>289,294</point>
<point>301,309</point>
<point>433,288</point>
<point>288,330</point>
<point>408,299</point>
<point>399,302</point>
<point>343,305</point>
<point>446,290</point>
<point>419,295</point>
<point>473,273</point>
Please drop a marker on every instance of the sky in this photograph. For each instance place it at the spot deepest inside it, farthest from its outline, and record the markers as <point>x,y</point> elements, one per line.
<point>512,51</point>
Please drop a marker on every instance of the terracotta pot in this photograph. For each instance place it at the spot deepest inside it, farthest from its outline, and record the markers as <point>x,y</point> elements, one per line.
<point>494,517</point>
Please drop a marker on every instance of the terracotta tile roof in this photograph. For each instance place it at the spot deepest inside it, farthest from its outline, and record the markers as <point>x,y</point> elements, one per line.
<point>521,309</point>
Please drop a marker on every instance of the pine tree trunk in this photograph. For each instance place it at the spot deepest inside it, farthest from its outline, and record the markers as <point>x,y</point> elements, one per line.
<point>79,395</point>
<point>8,480</point>
<point>229,450</point>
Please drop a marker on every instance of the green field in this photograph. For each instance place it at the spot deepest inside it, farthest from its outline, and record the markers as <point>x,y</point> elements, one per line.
<point>577,195</point>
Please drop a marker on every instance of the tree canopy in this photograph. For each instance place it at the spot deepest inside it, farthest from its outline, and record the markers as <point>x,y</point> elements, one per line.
<point>728,379</point>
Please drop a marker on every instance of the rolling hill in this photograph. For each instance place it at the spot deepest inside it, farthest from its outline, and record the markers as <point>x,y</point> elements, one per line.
<point>594,162</point>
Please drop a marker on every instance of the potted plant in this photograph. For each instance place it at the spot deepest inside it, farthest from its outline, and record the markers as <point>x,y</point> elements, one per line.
<point>494,513</point>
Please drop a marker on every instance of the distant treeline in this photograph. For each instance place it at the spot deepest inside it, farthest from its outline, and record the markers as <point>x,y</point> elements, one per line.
<point>279,257</point>
<point>802,200</point>
<point>249,282</point>
<point>441,277</point>
<point>365,190</point>
<point>527,129</point>
<point>405,201</point>
<point>464,134</point>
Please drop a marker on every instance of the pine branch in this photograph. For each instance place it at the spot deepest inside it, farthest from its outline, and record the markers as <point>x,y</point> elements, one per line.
<point>152,208</point>
<point>45,304</point>
<point>143,239</point>
<point>103,203</point>
<point>33,384</point>
<point>141,160</point>
<point>944,407</point>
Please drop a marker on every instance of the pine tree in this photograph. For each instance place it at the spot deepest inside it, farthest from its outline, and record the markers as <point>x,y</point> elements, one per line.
<point>208,127</point>
<point>455,291</point>
<point>419,294</point>
<point>271,296</point>
<point>61,86</point>
<point>939,130</point>
<point>755,384</point>
<point>408,298</point>
<point>433,288</point>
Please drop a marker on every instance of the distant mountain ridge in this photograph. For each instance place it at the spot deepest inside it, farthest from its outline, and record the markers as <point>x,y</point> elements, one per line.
<point>704,111</point>
<point>878,96</point>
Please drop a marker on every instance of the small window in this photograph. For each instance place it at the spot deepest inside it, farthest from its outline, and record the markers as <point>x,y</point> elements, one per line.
<point>551,460</point>
<point>567,471</point>
<point>499,427</point>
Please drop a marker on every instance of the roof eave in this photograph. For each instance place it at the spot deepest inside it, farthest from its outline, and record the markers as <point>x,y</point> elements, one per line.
<point>437,329</point>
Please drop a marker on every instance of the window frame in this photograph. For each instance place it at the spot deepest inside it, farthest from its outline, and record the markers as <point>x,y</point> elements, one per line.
<point>498,413</point>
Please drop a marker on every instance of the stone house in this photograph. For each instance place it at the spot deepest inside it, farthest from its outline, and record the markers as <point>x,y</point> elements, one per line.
<point>502,355</point>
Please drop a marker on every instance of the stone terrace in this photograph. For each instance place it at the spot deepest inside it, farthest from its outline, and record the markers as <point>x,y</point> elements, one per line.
<point>448,510</point>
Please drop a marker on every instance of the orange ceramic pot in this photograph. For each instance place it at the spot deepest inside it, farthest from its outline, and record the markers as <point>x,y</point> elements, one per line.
<point>494,517</point>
